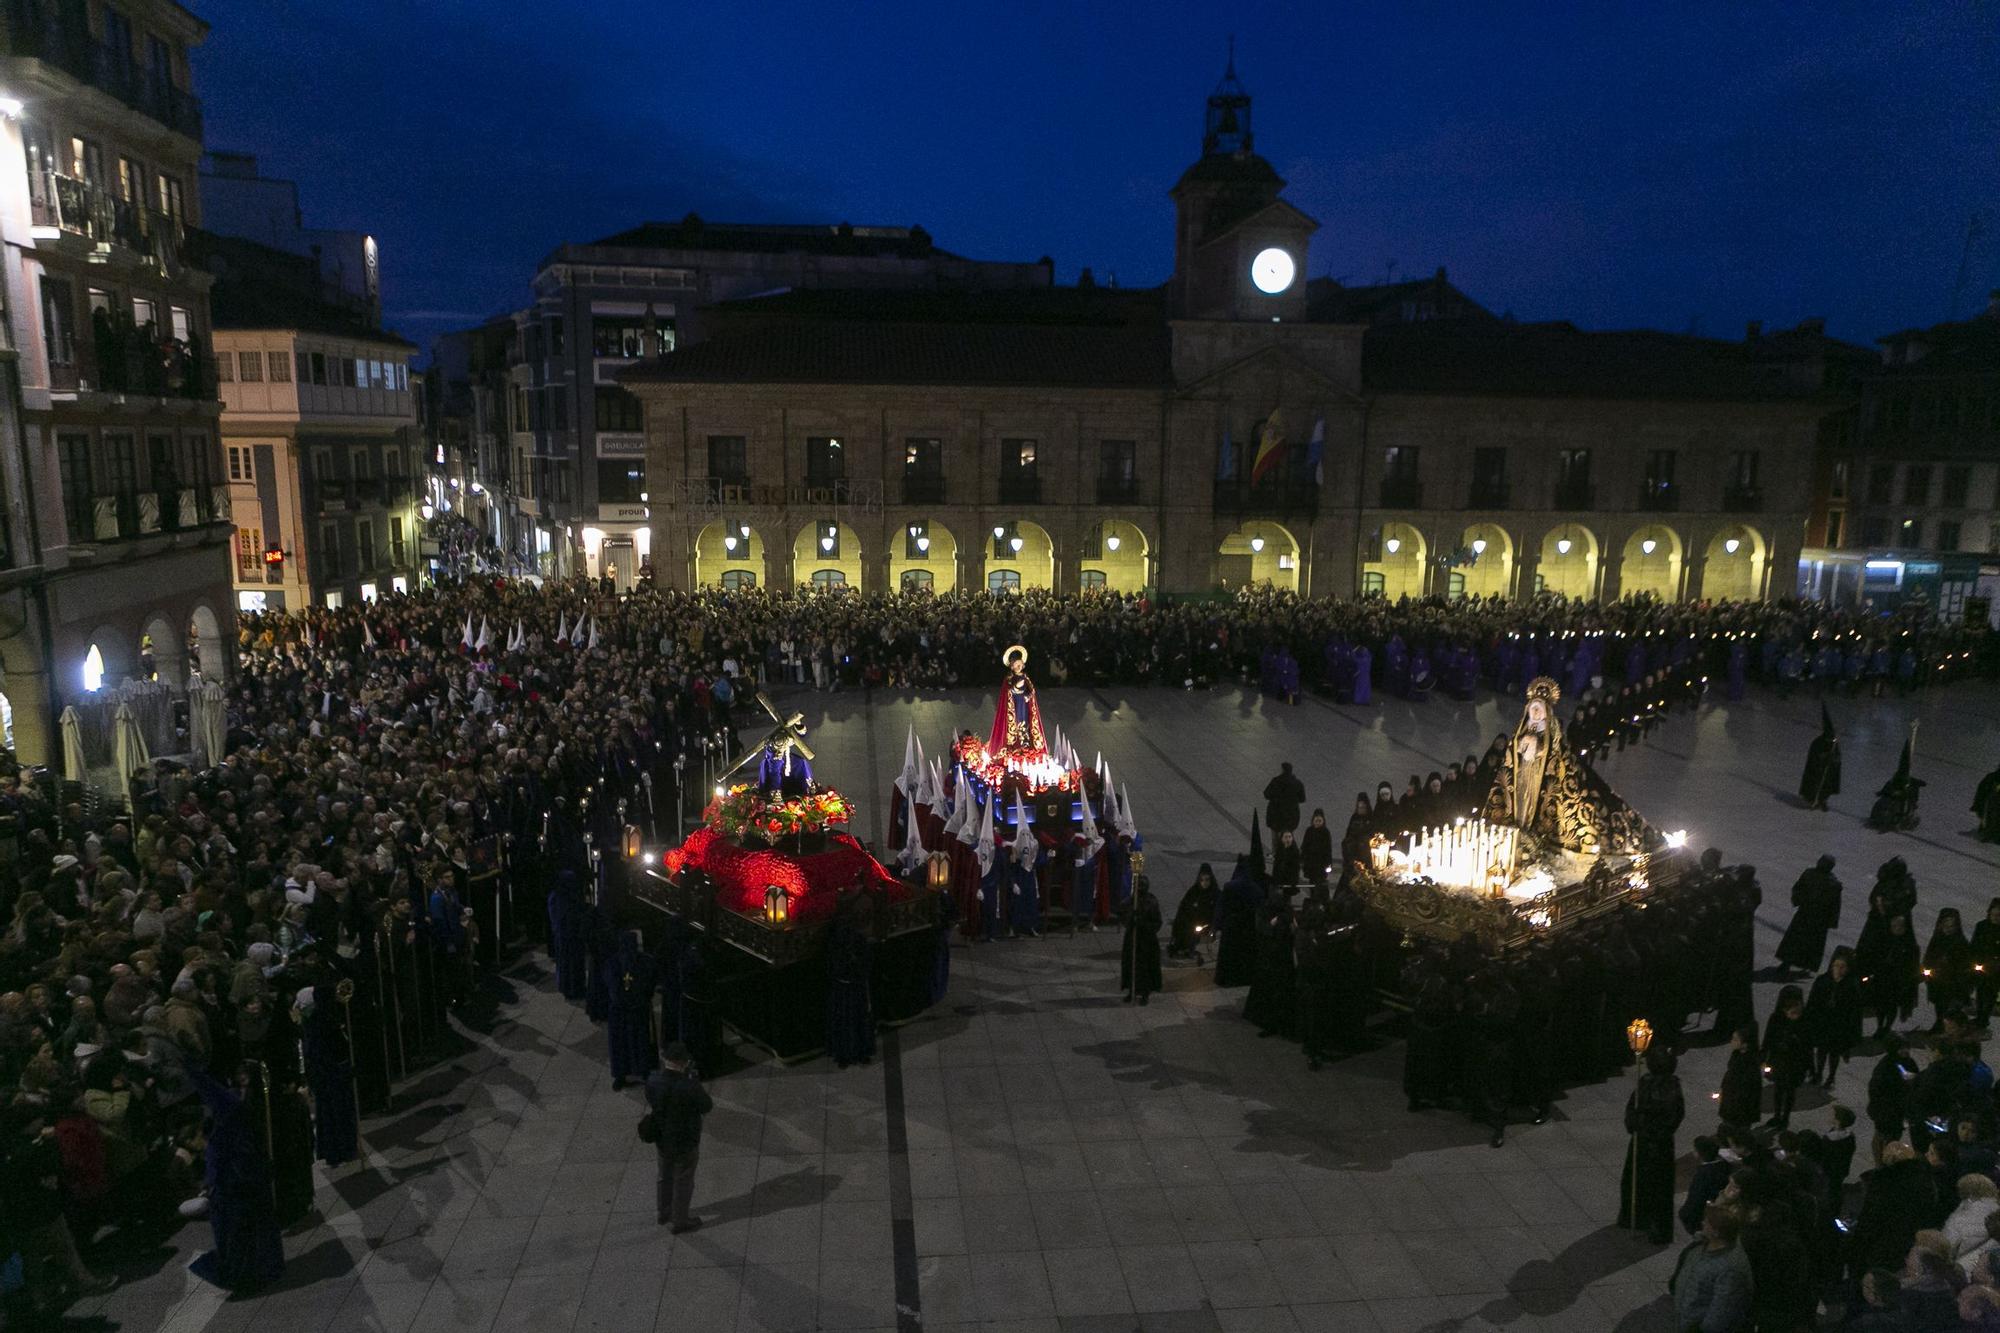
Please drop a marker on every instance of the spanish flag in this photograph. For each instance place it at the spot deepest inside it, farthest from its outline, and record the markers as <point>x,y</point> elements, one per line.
<point>1270,448</point>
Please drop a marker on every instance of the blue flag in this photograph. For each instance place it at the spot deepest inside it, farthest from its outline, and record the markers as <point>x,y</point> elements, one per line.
<point>1315,449</point>
<point>1225,458</point>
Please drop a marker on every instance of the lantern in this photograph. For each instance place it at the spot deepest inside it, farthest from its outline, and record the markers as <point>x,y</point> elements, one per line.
<point>632,847</point>
<point>940,871</point>
<point>777,911</point>
<point>1639,1035</point>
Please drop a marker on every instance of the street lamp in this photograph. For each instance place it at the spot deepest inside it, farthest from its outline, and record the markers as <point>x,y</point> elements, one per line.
<point>1648,545</point>
<point>1393,545</point>
<point>1731,545</point>
<point>777,911</point>
<point>1257,544</point>
<point>1016,543</point>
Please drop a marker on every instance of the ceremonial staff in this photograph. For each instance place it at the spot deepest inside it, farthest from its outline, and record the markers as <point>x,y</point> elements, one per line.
<point>344,992</point>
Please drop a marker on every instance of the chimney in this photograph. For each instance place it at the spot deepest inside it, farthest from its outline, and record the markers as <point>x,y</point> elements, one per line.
<point>1753,331</point>
<point>1086,279</point>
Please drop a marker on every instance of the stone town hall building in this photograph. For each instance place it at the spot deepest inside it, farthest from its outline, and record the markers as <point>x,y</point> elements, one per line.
<point>1238,424</point>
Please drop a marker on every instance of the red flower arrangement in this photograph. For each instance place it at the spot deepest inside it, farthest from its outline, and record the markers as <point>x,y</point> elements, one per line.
<point>745,808</point>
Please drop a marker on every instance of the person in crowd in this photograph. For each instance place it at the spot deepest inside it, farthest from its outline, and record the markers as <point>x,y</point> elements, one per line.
<point>1833,1016</point>
<point>1272,1002</point>
<point>1711,1174</point>
<point>629,1027</point>
<point>1285,861</point>
<point>1897,1200</point>
<point>1653,1113</point>
<point>1283,796</point>
<point>1139,973</point>
<point>1354,842</point>
<point>1965,1227</point>
<point>1947,966</point>
<point>1889,1093</point>
<point>1890,970</point>
<point>1195,917</point>
<point>1815,913</point>
<point>1712,1287</point>
<point>1821,780</point>
<point>1236,927</point>
<point>677,1103</point>
<point>249,1251</point>
<point>1787,1054</point>
<point>1742,1097</point>
<point>1985,955</point>
<point>1316,851</point>
<point>850,1014</point>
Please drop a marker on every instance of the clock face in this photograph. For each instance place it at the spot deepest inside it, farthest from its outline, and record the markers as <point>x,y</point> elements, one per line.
<point>1272,270</point>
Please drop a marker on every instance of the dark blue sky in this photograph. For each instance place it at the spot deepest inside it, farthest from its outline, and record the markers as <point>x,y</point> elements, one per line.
<point>1618,165</point>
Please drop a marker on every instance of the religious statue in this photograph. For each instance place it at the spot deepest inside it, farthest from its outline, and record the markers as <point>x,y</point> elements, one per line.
<point>1544,790</point>
<point>783,772</point>
<point>1017,718</point>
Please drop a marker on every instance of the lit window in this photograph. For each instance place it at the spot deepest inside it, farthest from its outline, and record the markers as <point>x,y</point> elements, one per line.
<point>93,669</point>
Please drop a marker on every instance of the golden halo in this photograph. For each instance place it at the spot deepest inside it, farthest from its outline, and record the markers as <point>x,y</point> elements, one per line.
<point>1007,658</point>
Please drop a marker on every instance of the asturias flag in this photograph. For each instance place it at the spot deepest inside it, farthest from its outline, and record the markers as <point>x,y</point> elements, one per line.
<point>1270,447</point>
<point>1315,450</point>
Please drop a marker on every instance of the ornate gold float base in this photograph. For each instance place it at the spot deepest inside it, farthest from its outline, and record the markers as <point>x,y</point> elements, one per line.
<point>1610,882</point>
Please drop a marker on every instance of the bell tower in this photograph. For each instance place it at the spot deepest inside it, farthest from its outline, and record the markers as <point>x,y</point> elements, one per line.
<point>1239,248</point>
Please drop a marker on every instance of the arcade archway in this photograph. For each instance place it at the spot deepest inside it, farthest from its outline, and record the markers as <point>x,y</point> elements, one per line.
<point>1733,569</point>
<point>1568,563</point>
<point>1651,564</point>
<point>208,652</point>
<point>1117,558</point>
<point>1491,570</point>
<point>827,554</point>
<point>1019,556</point>
<point>730,554</point>
<point>1259,552</point>
<point>1399,564</point>
<point>923,554</point>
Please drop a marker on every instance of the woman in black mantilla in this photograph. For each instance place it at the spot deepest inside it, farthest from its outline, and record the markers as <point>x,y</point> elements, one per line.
<point>1316,849</point>
<point>1195,915</point>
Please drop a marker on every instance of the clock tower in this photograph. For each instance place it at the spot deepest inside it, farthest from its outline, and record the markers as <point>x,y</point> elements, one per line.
<point>1239,248</point>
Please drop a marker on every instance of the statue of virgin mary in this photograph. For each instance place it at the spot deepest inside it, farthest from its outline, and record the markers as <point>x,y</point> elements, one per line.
<point>1017,718</point>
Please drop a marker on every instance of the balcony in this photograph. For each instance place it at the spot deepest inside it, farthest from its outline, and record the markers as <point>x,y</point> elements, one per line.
<point>1117,490</point>
<point>1241,499</point>
<point>82,208</point>
<point>367,490</point>
<point>59,35</point>
<point>1659,497</point>
<point>923,488</point>
<point>1020,490</point>
<point>1742,499</point>
<point>1575,494</point>
<point>135,360</point>
<point>1402,493</point>
<point>1487,495</point>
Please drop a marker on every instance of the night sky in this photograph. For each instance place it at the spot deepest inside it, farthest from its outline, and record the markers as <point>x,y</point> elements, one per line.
<point>1674,166</point>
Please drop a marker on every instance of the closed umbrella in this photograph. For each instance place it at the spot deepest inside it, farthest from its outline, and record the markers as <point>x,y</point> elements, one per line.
<point>72,743</point>
<point>215,721</point>
<point>128,749</point>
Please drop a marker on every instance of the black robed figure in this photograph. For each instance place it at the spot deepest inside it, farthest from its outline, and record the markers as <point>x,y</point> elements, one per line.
<point>1822,776</point>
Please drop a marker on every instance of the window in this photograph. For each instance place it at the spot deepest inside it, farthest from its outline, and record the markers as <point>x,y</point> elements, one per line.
<point>225,367</point>
<point>131,181</point>
<point>374,373</point>
<point>1002,581</point>
<point>319,367</point>
<point>1573,489</point>
<point>621,481</point>
<point>726,461</point>
<point>79,501</point>
<point>1836,526</point>
<point>1118,462</point>
<point>1917,484</point>
<point>86,160</point>
<point>1375,584</point>
<point>1454,588</point>
<point>555,327</point>
<point>144,312</point>
<point>826,461</point>
<point>733,579</point>
<point>1948,534</point>
<point>1660,465</point>
<point>616,409</point>
<point>362,464</point>
<point>364,545</point>
<point>395,540</point>
<point>117,39</point>
<point>1399,462</point>
<point>627,337</point>
<point>917,580</point>
<point>249,555</point>
<point>252,367</point>
<point>1489,475</point>
<point>1881,479</point>
<point>1018,458</point>
<point>280,366</point>
<point>182,323</point>
<point>1837,483</point>
<point>322,466</point>
<point>1957,484</point>
<point>923,457</point>
<point>160,463</point>
<point>329,550</point>
<point>169,191</point>
<point>58,333</point>
<point>1090,579</point>
<point>828,578</point>
<point>242,463</point>
<point>1743,469</point>
<point>346,380</point>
